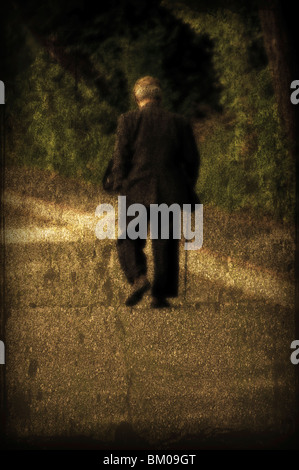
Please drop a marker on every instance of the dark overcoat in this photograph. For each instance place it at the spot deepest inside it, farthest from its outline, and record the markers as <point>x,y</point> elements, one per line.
<point>156,159</point>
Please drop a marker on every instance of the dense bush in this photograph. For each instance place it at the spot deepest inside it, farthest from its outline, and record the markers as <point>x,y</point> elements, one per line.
<point>59,125</point>
<point>246,158</point>
<point>66,121</point>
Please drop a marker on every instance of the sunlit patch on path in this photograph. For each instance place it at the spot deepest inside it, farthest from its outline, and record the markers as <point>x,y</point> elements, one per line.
<point>77,225</point>
<point>39,234</point>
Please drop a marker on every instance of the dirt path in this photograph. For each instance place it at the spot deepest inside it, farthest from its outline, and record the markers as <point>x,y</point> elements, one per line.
<point>81,366</point>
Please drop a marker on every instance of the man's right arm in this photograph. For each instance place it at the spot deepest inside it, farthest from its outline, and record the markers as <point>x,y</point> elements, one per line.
<point>122,154</point>
<point>190,154</point>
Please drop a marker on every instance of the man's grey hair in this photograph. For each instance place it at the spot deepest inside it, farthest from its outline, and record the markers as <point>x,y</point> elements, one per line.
<point>147,88</point>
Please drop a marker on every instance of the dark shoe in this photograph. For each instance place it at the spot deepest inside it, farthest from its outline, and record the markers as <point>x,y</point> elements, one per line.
<point>159,302</point>
<point>140,286</point>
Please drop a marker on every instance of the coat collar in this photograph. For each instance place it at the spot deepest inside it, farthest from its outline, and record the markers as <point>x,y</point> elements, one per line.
<point>151,104</point>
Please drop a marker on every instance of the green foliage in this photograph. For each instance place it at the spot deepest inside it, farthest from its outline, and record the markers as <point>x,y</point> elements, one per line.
<point>65,121</point>
<point>246,158</point>
<point>61,125</point>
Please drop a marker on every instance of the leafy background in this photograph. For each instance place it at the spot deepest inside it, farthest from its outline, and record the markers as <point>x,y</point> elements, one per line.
<point>74,65</point>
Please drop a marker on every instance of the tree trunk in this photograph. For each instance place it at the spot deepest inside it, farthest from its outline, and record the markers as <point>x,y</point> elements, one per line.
<point>279,52</point>
<point>281,40</point>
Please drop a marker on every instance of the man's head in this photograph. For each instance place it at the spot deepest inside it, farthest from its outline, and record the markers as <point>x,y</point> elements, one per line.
<point>147,89</point>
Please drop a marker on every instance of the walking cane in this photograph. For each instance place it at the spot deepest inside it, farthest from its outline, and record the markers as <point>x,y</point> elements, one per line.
<point>186,272</point>
<point>186,260</point>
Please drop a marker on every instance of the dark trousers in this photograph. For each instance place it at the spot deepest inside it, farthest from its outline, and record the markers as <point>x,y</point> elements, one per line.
<point>166,262</point>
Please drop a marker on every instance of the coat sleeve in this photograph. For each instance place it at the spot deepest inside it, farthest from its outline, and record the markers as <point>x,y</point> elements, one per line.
<point>122,154</point>
<point>190,154</point>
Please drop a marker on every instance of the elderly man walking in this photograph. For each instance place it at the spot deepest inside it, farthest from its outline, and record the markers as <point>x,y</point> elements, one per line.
<point>155,161</point>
